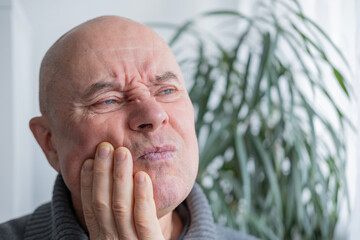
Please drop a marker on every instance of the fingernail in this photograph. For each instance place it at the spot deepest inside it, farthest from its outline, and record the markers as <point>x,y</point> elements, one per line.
<point>120,155</point>
<point>88,166</point>
<point>103,151</point>
<point>140,178</point>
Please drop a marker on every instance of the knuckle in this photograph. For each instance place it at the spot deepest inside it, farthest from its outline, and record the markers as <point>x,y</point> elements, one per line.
<point>100,206</point>
<point>101,171</point>
<point>142,196</point>
<point>143,203</point>
<point>120,208</point>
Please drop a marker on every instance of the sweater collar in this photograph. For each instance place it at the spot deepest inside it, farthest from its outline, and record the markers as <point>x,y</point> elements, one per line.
<point>57,220</point>
<point>202,224</point>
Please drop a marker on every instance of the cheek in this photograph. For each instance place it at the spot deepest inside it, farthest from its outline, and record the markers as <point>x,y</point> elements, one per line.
<point>80,143</point>
<point>182,120</point>
<point>74,150</point>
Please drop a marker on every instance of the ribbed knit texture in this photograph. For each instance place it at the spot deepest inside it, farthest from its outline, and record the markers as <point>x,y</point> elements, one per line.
<point>201,221</point>
<point>57,220</point>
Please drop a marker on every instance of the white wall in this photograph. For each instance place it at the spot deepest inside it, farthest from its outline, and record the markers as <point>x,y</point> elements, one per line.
<point>15,104</point>
<point>354,231</point>
<point>6,138</point>
<point>338,19</point>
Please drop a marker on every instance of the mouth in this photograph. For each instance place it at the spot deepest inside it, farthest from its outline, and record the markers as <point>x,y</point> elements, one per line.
<point>157,153</point>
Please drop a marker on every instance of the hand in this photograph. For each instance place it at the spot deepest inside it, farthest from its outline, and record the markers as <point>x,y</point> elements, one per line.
<point>116,204</point>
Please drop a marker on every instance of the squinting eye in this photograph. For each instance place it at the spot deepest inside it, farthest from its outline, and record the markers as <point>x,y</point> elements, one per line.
<point>167,91</point>
<point>108,102</point>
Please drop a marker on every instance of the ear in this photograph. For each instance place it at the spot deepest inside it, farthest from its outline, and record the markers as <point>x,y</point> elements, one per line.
<point>40,127</point>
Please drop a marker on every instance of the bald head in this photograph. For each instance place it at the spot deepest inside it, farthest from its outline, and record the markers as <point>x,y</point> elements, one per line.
<point>111,79</point>
<point>107,33</point>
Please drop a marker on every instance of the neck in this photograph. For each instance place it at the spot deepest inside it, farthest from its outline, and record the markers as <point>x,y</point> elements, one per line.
<point>171,224</point>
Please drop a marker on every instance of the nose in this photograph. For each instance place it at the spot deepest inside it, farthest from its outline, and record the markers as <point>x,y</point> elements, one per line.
<point>147,116</point>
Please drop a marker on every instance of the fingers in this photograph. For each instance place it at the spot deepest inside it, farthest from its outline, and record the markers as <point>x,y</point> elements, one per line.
<point>123,202</point>
<point>117,205</point>
<point>146,222</point>
<point>102,190</point>
<point>86,196</point>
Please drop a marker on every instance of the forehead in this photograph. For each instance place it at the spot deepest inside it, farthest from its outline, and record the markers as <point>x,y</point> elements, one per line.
<point>117,52</point>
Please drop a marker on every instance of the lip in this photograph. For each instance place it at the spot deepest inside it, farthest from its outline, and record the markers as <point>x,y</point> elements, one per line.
<point>164,152</point>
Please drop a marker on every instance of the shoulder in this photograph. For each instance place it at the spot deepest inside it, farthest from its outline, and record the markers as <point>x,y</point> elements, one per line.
<point>230,234</point>
<point>14,229</point>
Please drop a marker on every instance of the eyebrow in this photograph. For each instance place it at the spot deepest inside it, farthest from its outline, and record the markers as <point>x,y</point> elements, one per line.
<point>166,76</point>
<point>99,86</point>
<point>103,86</point>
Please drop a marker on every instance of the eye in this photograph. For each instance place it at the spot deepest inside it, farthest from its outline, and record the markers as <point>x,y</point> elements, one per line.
<point>110,101</point>
<point>167,91</point>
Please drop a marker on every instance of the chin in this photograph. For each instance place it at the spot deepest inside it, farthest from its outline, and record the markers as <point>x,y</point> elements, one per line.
<point>168,194</point>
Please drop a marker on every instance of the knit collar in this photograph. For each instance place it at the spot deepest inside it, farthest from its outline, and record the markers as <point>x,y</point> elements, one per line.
<point>202,224</point>
<point>57,220</point>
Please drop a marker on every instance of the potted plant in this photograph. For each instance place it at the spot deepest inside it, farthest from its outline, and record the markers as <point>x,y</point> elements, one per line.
<point>271,163</point>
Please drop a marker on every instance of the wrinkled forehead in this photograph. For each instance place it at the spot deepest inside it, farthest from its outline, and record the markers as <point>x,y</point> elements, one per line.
<point>102,49</point>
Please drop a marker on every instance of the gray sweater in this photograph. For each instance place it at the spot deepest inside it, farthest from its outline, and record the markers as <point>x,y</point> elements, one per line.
<point>57,220</point>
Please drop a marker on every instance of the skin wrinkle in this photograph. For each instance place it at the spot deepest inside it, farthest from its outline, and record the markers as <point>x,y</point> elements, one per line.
<point>49,63</point>
<point>96,54</point>
<point>103,86</point>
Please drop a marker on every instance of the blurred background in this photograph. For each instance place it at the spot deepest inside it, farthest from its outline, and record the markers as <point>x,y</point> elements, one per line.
<point>29,28</point>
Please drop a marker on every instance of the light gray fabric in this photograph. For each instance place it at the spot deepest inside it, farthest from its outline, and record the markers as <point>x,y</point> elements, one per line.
<point>56,220</point>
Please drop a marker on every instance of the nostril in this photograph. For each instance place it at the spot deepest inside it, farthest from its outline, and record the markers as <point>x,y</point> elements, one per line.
<point>145,125</point>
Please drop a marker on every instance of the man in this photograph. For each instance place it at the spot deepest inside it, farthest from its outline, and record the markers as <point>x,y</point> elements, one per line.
<point>117,125</point>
